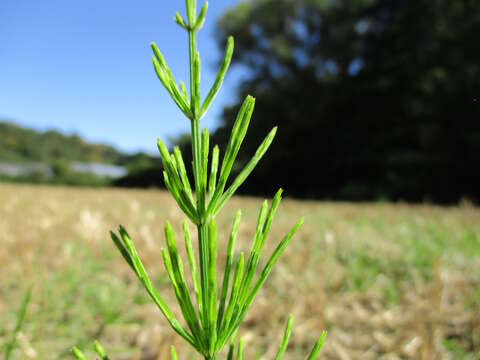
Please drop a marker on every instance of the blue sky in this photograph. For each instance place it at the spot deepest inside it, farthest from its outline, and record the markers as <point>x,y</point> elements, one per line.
<point>84,66</point>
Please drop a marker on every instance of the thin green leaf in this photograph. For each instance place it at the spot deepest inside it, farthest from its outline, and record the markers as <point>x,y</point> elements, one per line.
<point>222,71</point>
<point>271,214</point>
<point>262,149</point>
<point>203,247</point>
<point>184,93</point>
<point>118,243</point>
<point>20,319</point>
<point>205,150</point>
<point>147,283</point>
<point>78,354</point>
<point>162,76</point>
<point>240,350</point>
<point>173,353</point>
<point>254,254</point>
<point>167,80</point>
<point>184,299</point>
<point>286,337</point>
<point>179,20</point>
<point>318,346</point>
<point>236,138</point>
<point>193,267</point>
<point>175,183</point>
<point>169,166</point>
<point>173,191</point>
<point>228,265</point>
<point>272,261</point>
<point>196,76</point>
<point>183,173</point>
<point>191,11</point>
<point>98,348</point>
<point>213,171</point>
<point>237,278</point>
<point>197,165</point>
<point>212,283</point>
<point>231,350</point>
<point>235,322</point>
<point>263,226</point>
<point>167,263</point>
<point>201,17</point>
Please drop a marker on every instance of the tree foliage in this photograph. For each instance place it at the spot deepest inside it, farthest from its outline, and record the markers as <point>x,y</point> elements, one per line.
<point>19,144</point>
<point>381,99</point>
<point>47,157</point>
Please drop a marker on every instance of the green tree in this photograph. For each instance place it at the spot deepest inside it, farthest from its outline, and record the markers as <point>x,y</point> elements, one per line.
<point>382,97</point>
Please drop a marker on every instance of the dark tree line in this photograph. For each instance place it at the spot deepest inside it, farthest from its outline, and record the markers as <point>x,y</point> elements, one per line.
<point>20,144</point>
<point>373,98</point>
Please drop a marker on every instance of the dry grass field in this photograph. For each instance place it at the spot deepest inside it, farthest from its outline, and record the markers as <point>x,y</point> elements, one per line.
<point>388,281</point>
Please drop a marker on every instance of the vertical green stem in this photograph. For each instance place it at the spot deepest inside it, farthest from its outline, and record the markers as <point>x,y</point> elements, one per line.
<point>192,42</point>
<point>202,228</point>
<point>197,167</point>
<point>203,254</point>
<point>195,124</point>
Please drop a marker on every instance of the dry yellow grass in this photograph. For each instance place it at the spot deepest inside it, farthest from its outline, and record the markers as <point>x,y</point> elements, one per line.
<point>387,281</point>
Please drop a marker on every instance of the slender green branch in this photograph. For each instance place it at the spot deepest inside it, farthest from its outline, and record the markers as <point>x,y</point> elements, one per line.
<point>18,326</point>
<point>286,337</point>
<point>212,317</point>
<point>228,265</point>
<point>318,346</point>
<point>193,268</point>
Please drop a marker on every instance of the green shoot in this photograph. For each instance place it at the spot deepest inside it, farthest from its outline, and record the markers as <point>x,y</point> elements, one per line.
<point>213,314</point>
<point>97,347</point>
<point>18,326</point>
<point>286,337</point>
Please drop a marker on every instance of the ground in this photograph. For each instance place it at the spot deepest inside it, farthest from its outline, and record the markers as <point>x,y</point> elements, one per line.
<point>388,281</point>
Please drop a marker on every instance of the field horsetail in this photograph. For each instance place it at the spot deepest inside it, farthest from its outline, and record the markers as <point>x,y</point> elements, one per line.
<point>214,310</point>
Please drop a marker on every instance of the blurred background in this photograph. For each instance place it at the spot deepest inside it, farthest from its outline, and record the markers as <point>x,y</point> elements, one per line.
<point>374,100</point>
<point>378,108</point>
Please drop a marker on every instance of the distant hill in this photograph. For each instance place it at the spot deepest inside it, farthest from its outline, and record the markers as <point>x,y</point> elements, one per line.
<point>19,144</point>
<point>52,157</point>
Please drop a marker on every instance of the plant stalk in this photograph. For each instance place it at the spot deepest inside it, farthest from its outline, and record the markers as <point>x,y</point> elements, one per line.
<point>219,322</point>
<point>202,226</point>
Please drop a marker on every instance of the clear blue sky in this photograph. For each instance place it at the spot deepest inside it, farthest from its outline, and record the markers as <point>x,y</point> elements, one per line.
<point>84,66</point>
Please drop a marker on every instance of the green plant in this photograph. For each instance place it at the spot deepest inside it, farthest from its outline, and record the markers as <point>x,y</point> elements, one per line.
<point>8,347</point>
<point>213,323</point>
<point>96,346</point>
